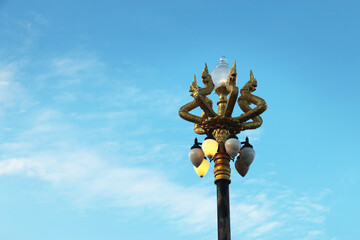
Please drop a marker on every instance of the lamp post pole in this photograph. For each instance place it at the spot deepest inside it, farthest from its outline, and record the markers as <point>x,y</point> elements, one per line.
<point>223,210</point>
<point>222,181</point>
<point>221,144</point>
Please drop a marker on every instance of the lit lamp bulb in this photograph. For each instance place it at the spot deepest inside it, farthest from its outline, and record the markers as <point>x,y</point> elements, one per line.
<point>220,74</point>
<point>196,155</point>
<point>210,146</point>
<point>232,145</point>
<point>203,168</point>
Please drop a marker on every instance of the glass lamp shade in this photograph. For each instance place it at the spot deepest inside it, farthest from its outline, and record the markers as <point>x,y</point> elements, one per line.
<point>220,74</point>
<point>203,168</point>
<point>232,146</point>
<point>196,156</point>
<point>210,147</point>
<point>247,154</point>
<point>241,167</point>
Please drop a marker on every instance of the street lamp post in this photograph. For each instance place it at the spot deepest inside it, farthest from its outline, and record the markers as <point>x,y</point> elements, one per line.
<point>221,144</point>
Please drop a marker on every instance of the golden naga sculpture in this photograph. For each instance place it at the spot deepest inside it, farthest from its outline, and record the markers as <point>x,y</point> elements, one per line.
<point>222,123</point>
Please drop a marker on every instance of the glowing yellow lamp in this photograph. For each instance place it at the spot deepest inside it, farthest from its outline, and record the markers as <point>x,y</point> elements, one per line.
<point>203,168</point>
<point>210,146</point>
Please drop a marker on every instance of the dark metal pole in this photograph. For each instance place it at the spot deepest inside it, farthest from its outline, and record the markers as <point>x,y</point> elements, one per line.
<point>222,180</point>
<point>223,209</point>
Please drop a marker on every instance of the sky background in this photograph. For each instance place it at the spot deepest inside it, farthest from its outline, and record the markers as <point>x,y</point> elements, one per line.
<point>92,147</point>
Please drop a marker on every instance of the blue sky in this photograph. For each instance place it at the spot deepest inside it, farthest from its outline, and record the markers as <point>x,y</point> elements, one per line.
<point>92,147</point>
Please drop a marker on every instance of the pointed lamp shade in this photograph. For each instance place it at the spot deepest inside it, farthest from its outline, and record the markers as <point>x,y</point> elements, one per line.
<point>220,74</point>
<point>203,168</point>
<point>232,145</point>
<point>241,167</point>
<point>210,146</point>
<point>247,152</point>
<point>196,154</point>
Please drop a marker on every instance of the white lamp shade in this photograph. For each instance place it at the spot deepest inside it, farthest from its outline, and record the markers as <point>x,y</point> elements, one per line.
<point>196,156</point>
<point>210,147</point>
<point>247,154</point>
<point>232,146</point>
<point>220,74</point>
<point>203,168</point>
<point>241,167</point>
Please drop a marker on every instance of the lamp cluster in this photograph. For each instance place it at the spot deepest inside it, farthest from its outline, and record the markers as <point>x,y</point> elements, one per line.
<point>245,153</point>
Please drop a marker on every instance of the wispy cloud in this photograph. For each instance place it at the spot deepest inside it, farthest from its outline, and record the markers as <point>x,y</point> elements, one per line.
<point>91,178</point>
<point>254,135</point>
<point>281,212</point>
<point>78,64</point>
<point>88,178</point>
<point>12,93</point>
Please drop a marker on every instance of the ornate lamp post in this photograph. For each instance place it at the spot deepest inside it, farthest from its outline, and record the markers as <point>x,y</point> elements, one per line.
<point>221,144</point>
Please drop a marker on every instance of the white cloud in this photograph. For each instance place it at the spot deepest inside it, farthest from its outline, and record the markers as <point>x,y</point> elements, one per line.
<point>88,178</point>
<point>74,65</point>
<point>12,93</point>
<point>263,229</point>
<point>270,210</point>
<point>7,72</point>
<point>254,135</point>
<point>12,166</point>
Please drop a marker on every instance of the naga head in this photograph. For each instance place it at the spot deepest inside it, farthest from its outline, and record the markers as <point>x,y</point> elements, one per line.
<point>193,86</point>
<point>207,80</point>
<point>251,84</point>
<point>232,76</point>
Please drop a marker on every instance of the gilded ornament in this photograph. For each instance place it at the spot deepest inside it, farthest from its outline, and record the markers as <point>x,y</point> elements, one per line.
<point>220,124</point>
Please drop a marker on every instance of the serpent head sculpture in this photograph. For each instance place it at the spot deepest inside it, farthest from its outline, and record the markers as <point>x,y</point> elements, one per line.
<point>223,121</point>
